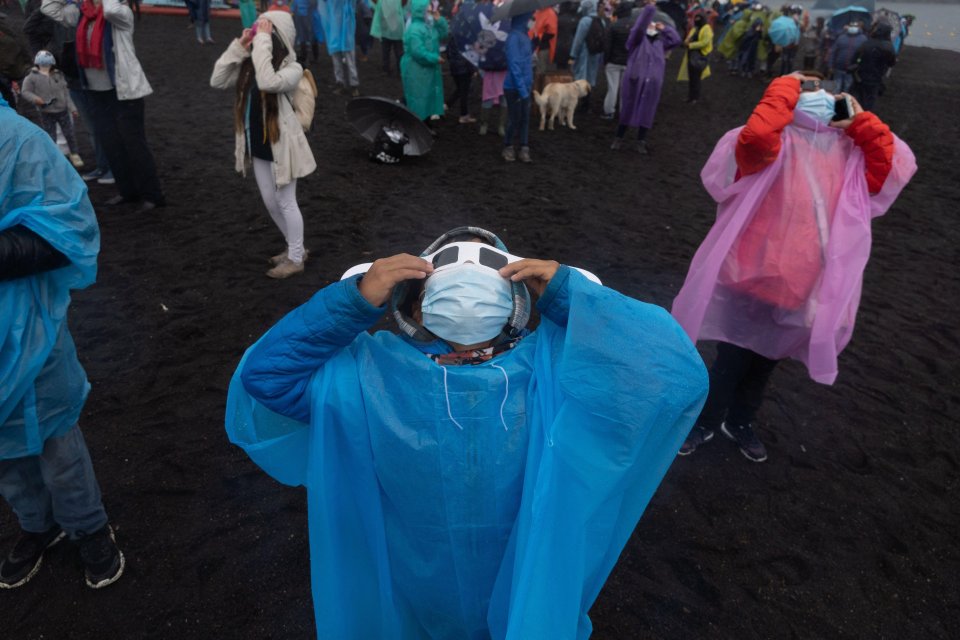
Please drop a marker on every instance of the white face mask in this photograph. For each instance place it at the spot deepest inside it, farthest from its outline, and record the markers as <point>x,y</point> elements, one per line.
<point>651,31</point>
<point>853,30</point>
<point>466,303</point>
<point>819,105</point>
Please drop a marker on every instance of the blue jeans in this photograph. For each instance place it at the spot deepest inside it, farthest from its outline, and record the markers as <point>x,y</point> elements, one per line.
<point>844,81</point>
<point>56,487</point>
<point>518,112</point>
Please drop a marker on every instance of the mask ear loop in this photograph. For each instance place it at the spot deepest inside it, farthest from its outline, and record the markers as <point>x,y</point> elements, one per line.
<point>506,393</point>
<point>446,395</point>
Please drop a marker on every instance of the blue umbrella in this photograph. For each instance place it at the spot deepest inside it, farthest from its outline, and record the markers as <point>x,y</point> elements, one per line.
<point>784,31</point>
<point>845,16</point>
<point>479,40</point>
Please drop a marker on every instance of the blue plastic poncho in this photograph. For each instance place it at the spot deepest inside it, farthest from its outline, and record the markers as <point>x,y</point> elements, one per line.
<point>484,501</point>
<point>339,22</point>
<point>42,385</point>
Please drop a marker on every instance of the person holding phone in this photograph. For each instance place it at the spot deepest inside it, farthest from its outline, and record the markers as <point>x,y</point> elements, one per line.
<point>779,274</point>
<point>261,66</point>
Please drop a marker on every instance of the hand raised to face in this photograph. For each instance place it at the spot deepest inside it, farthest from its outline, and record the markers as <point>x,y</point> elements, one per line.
<point>378,283</point>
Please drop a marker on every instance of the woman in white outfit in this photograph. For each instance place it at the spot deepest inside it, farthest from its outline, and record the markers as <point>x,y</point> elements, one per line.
<point>262,65</point>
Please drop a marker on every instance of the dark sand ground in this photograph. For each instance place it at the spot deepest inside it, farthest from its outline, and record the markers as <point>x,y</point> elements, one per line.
<point>849,530</point>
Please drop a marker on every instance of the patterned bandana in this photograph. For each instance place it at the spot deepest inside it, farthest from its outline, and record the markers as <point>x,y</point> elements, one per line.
<point>472,356</point>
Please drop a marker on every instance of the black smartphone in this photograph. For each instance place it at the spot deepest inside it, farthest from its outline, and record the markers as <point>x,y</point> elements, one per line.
<point>842,109</point>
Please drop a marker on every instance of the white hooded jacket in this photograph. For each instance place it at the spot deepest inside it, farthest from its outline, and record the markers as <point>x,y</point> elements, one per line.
<point>129,79</point>
<point>292,157</point>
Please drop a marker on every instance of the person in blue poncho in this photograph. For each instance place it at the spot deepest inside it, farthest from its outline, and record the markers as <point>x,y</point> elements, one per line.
<point>49,242</point>
<point>466,477</point>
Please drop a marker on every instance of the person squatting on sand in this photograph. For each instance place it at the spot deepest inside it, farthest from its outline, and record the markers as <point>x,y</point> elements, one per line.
<point>466,477</point>
<point>46,88</point>
<point>643,78</point>
<point>262,67</point>
<point>49,242</point>
<point>115,87</point>
<point>517,87</point>
<point>780,272</point>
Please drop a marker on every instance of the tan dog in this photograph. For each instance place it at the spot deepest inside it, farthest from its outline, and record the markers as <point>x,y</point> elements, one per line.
<point>560,99</point>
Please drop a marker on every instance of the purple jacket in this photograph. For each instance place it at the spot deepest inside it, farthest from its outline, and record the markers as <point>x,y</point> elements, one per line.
<point>643,78</point>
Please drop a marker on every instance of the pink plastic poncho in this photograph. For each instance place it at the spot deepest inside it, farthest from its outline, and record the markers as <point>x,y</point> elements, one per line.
<point>780,272</point>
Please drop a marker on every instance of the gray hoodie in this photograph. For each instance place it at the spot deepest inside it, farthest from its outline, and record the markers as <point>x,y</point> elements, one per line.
<point>47,87</point>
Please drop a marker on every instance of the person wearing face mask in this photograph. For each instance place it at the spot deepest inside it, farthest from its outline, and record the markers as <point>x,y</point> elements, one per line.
<point>842,55</point>
<point>694,68</point>
<point>643,79</point>
<point>779,274</point>
<point>466,468</point>
<point>420,64</point>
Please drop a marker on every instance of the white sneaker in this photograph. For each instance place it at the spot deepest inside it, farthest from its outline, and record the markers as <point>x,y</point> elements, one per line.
<point>107,179</point>
<point>76,160</point>
<point>285,269</point>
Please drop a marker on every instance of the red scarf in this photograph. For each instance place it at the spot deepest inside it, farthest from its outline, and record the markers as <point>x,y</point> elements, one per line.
<point>90,51</point>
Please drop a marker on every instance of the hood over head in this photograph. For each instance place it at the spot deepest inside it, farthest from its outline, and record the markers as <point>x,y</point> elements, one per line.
<point>521,296</point>
<point>519,22</point>
<point>588,8</point>
<point>283,27</point>
<point>882,31</point>
<point>418,9</point>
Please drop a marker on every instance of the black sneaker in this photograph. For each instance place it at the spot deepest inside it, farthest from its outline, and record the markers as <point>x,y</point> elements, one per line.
<point>102,561</point>
<point>24,560</point>
<point>697,437</point>
<point>747,440</point>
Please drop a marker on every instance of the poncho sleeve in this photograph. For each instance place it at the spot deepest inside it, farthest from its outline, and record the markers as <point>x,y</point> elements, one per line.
<point>618,386</point>
<point>268,404</point>
<point>759,141</point>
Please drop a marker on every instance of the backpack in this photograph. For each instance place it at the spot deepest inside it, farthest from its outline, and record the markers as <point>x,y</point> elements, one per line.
<point>304,99</point>
<point>596,36</point>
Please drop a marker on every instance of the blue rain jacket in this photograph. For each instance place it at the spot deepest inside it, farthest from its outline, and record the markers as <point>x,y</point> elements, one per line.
<point>503,527</point>
<point>339,22</point>
<point>519,57</point>
<point>42,385</point>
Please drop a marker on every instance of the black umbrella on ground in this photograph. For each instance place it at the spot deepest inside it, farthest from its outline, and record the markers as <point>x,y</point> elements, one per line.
<point>371,115</point>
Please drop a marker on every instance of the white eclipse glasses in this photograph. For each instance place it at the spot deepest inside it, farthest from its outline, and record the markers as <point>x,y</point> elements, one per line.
<point>463,252</point>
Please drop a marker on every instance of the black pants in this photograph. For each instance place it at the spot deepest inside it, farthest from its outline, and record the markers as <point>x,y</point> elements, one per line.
<point>386,45</point>
<point>461,91</point>
<point>695,80</point>
<point>866,94</point>
<point>738,379</point>
<point>119,125</point>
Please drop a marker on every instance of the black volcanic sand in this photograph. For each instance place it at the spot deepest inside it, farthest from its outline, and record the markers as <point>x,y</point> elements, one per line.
<point>849,530</point>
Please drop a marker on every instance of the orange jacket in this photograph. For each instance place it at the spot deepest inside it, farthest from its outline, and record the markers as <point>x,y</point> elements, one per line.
<point>759,141</point>
<point>546,22</point>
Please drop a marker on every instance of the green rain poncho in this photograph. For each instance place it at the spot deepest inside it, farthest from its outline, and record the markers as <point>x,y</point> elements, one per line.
<point>420,65</point>
<point>388,20</point>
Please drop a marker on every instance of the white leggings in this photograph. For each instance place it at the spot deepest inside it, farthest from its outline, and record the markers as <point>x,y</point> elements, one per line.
<point>282,205</point>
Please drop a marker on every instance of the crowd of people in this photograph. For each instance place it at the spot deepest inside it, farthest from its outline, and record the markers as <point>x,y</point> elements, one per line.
<point>463,516</point>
